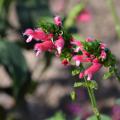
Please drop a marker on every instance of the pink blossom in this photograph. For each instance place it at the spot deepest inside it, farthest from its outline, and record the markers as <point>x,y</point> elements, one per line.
<point>78,44</point>
<point>85,53</point>
<point>92,70</point>
<point>45,46</point>
<point>92,56</point>
<point>59,43</point>
<point>80,58</point>
<point>84,16</point>
<point>102,46</point>
<point>58,21</point>
<point>39,34</point>
<point>48,37</point>
<point>90,39</point>
<point>36,34</point>
<point>103,54</point>
<point>95,60</point>
<point>81,75</point>
<point>29,32</point>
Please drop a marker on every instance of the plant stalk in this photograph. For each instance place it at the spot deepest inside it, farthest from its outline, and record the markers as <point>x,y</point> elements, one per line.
<point>93,101</point>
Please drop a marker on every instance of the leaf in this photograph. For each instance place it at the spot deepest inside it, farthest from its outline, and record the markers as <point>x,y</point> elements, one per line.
<point>58,116</point>
<point>46,18</point>
<point>72,15</point>
<point>75,72</point>
<point>78,84</point>
<point>91,84</point>
<point>1,5</point>
<point>103,117</point>
<point>107,75</point>
<point>12,59</point>
<point>73,95</point>
<point>78,37</point>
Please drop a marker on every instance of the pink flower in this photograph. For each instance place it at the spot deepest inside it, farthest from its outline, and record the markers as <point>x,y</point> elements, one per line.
<point>36,34</point>
<point>90,39</point>
<point>84,16</point>
<point>92,70</point>
<point>80,58</point>
<point>85,53</point>
<point>58,21</point>
<point>48,37</point>
<point>42,47</point>
<point>29,32</point>
<point>78,44</point>
<point>59,44</point>
<point>92,56</point>
<point>102,46</point>
<point>81,75</point>
<point>103,54</point>
<point>95,60</point>
<point>89,72</point>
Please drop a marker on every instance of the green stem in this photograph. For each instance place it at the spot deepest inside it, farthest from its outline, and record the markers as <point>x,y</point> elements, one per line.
<point>93,101</point>
<point>115,16</point>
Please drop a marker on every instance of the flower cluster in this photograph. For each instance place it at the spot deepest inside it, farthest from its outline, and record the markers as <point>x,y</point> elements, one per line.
<point>53,37</point>
<point>46,39</point>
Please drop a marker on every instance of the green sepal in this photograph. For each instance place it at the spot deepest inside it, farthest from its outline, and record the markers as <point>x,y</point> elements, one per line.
<point>49,27</point>
<point>92,47</point>
<point>91,84</point>
<point>75,72</point>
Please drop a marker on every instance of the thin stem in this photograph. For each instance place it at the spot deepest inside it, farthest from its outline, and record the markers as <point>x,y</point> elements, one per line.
<point>93,101</point>
<point>115,16</point>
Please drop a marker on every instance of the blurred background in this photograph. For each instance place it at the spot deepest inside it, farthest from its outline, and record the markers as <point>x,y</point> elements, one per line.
<point>38,88</point>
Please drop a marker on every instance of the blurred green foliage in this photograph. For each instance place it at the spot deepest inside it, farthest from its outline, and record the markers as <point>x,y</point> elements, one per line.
<point>70,20</point>
<point>12,59</point>
<point>58,116</point>
<point>11,53</point>
<point>103,117</point>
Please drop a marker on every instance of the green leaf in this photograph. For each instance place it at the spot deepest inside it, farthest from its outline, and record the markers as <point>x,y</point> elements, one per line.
<point>91,84</point>
<point>75,72</point>
<point>46,18</point>
<point>72,15</point>
<point>73,95</point>
<point>78,84</point>
<point>107,75</point>
<point>103,117</point>
<point>1,5</point>
<point>12,59</point>
<point>78,37</point>
<point>58,116</point>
